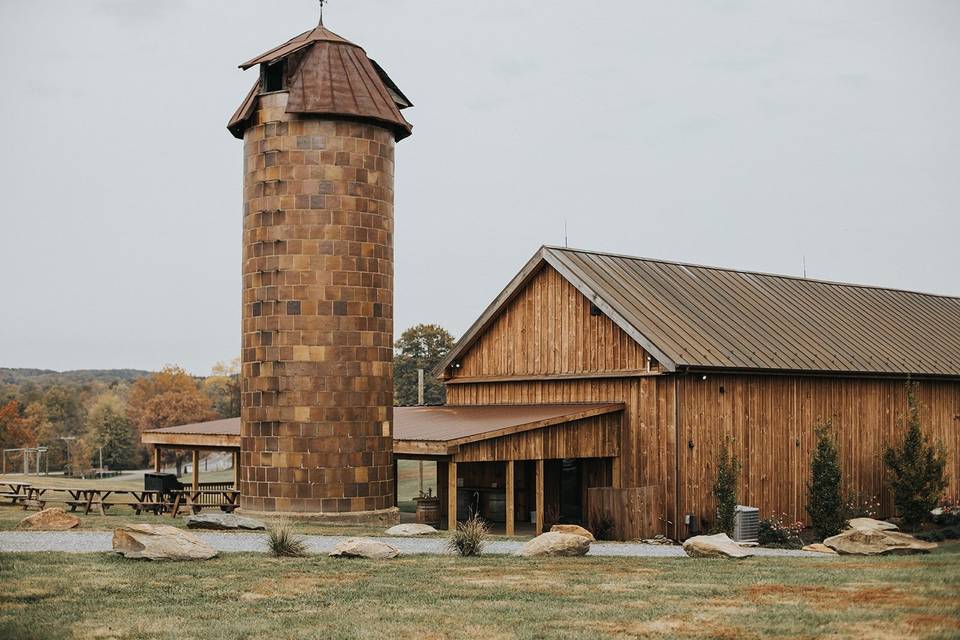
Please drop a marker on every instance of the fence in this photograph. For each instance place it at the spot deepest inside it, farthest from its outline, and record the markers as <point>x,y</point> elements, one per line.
<point>634,513</point>
<point>212,499</point>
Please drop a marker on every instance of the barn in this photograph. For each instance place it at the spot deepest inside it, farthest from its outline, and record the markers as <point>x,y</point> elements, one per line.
<point>601,388</point>
<point>658,364</point>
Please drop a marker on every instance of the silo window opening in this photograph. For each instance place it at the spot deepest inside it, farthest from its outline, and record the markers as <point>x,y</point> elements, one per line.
<point>274,76</point>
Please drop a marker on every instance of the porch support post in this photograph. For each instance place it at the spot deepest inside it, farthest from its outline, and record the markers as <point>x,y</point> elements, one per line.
<point>396,482</point>
<point>236,469</point>
<point>539,483</point>
<point>156,458</point>
<point>196,469</point>
<point>452,495</point>
<point>510,493</point>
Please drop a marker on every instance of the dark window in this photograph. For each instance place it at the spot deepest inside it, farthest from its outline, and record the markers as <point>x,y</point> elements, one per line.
<point>595,310</point>
<point>274,76</point>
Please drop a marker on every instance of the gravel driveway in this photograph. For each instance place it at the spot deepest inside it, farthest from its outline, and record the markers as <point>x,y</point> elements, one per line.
<point>98,541</point>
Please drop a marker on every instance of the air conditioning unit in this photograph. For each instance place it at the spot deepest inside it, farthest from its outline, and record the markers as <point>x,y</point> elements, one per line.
<point>746,524</point>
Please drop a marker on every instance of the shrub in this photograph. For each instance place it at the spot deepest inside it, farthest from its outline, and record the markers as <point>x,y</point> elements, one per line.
<point>917,468</point>
<point>825,505</point>
<point>951,533</point>
<point>932,536</point>
<point>284,544</point>
<point>725,490</point>
<point>860,505</point>
<point>602,527</point>
<point>470,538</point>
<point>774,532</point>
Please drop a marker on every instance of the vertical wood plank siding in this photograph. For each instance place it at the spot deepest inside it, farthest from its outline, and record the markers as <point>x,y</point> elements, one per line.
<point>548,329</point>
<point>596,437</point>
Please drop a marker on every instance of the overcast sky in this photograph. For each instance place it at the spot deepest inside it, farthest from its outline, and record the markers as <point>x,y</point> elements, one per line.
<point>739,134</point>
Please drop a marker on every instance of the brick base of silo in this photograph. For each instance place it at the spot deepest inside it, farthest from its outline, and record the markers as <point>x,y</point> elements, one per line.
<point>317,378</point>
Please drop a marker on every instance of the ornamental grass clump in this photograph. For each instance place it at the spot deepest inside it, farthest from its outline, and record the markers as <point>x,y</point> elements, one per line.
<point>470,538</point>
<point>283,543</point>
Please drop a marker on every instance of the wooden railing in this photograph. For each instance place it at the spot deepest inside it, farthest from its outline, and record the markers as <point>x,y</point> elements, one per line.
<point>634,513</point>
<point>212,499</point>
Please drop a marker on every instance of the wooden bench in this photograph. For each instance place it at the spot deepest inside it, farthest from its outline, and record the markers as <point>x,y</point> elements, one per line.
<point>227,500</point>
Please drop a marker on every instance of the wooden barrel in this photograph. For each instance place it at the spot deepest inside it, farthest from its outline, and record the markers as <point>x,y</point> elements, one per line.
<point>428,511</point>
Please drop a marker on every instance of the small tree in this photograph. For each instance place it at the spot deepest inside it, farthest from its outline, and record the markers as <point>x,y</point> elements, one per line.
<point>825,503</point>
<point>725,490</point>
<point>917,468</point>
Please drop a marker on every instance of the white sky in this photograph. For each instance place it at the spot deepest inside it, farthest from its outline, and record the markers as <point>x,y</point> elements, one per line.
<point>739,134</point>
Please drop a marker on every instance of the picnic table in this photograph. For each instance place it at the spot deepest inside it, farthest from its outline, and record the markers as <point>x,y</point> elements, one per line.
<point>154,501</point>
<point>226,500</point>
<point>15,491</point>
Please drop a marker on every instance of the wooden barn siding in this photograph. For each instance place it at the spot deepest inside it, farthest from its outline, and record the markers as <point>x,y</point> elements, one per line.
<point>547,329</point>
<point>771,420</point>
<point>647,447</point>
<point>596,437</point>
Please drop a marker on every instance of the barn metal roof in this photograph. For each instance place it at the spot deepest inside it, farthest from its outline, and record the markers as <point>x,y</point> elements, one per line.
<point>692,316</point>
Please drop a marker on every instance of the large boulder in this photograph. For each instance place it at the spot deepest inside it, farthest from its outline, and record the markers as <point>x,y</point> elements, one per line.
<point>160,542</point>
<point>55,519</point>
<point>364,548</point>
<point>224,522</point>
<point>574,530</point>
<point>715,546</point>
<point>869,524</point>
<point>411,530</point>
<point>554,543</point>
<point>874,542</point>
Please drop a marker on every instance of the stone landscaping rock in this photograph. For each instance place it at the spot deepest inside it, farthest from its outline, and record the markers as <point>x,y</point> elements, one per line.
<point>715,546</point>
<point>869,524</point>
<point>573,530</point>
<point>410,530</point>
<point>364,548</point>
<point>819,548</point>
<point>554,543</point>
<point>659,539</point>
<point>160,542</point>
<point>874,542</point>
<point>55,519</point>
<point>224,522</point>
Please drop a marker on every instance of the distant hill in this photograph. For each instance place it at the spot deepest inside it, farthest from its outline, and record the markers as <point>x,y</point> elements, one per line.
<point>44,377</point>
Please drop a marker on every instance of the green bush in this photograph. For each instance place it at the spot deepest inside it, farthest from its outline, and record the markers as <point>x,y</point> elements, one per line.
<point>825,502</point>
<point>774,532</point>
<point>470,538</point>
<point>917,468</point>
<point>725,490</point>
<point>951,533</point>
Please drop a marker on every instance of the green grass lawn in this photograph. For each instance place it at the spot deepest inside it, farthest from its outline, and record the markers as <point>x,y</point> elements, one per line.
<point>251,596</point>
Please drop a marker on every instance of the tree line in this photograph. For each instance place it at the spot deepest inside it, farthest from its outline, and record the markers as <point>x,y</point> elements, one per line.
<point>80,415</point>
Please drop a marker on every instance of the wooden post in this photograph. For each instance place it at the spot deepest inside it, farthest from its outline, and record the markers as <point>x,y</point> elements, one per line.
<point>539,483</point>
<point>156,458</point>
<point>396,482</point>
<point>511,509</point>
<point>236,469</point>
<point>196,469</point>
<point>452,496</point>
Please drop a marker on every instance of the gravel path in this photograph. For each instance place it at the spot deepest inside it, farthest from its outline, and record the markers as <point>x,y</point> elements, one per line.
<point>98,541</point>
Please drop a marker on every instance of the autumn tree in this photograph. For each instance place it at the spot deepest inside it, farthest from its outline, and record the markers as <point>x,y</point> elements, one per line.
<point>166,399</point>
<point>14,432</point>
<point>223,388</point>
<point>110,431</point>
<point>419,347</point>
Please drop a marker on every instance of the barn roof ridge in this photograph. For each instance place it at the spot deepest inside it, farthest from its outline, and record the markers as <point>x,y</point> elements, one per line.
<point>697,316</point>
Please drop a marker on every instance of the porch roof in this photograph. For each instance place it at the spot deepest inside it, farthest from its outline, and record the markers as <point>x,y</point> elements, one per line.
<point>416,430</point>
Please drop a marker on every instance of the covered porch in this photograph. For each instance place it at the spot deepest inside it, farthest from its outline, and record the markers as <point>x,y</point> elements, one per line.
<point>522,468</point>
<point>217,435</point>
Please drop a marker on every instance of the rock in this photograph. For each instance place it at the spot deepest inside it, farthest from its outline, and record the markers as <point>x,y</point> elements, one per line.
<point>224,522</point>
<point>659,539</point>
<point>54,519</point>
<point>573,530</point>
<point>554,543</point>
<point>364,548</point>
<point>410,530</point>
<point>874,542</point>
<point>869,524</point>
<point>819,548</point>
<point>160,542</point>
<point>715,546</point>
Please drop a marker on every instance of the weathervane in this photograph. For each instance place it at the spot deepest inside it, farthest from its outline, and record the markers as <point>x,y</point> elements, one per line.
<point>322,2</point>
